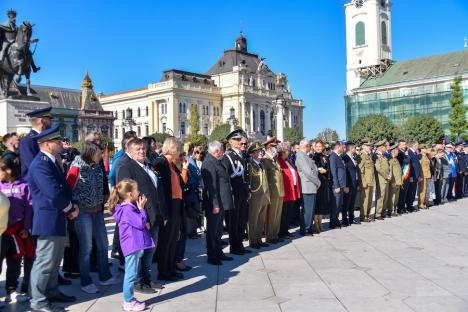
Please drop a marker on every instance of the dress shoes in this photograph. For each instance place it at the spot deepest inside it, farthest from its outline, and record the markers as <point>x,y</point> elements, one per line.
<point>62,298</point>
<point>64,281</point>
<point>182,267</point>
<point>379,218</point>
<point>237,252</point>
<point>167,278</point>
<point>214,261</point>
<point>48,308</point>
<point>246,251</point>
<point>156,286</point>
<point>356,222</point>
<point>178,275</point>
<point>262,244</point>
<point>366,220</point>
<point>280,240</point>
<point>223,257</point>
<point>254,246</point>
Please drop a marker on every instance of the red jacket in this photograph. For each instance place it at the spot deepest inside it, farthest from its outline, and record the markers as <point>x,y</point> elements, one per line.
<point>291,192</point>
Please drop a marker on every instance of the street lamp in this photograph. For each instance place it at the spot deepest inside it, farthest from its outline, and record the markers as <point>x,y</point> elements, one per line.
<point>232,118</point>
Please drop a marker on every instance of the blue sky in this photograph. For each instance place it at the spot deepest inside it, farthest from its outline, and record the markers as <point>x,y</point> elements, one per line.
<point>127,44</point>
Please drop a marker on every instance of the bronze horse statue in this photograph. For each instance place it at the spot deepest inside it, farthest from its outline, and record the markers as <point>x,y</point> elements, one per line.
<point>18,60</point>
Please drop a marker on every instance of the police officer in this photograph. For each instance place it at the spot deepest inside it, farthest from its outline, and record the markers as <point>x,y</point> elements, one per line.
<point>367,180</point>
<point>41,119</point>
<point>395,183</point>
<point>52,205</point>
<point>235,161</point>
<point>383,175</point>
<point>276,190</point>
<point>260,197</point>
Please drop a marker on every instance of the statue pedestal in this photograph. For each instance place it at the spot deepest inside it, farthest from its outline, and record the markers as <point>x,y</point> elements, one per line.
<point>13,114</point>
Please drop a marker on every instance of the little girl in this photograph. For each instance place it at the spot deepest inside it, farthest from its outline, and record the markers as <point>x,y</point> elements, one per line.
<point>16,240</point>
<point>127,206</point>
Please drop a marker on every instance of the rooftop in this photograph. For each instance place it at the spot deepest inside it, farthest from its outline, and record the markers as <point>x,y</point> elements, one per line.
<point>233,57</point>
<point>435,66</point>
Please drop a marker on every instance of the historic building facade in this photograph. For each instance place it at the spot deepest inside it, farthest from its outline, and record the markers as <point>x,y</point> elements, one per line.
<point>399,90</point>
<point>238,87</point>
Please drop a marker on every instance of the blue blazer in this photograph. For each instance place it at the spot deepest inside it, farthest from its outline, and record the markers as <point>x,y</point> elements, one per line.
<point>50,196</point>
<point>28,149</point>
<point>338,170</point>
<point>351,172</point>
<point>415,171</point>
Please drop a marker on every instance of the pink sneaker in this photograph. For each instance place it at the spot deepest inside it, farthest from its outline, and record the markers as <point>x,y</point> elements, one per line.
<point>134,305</point>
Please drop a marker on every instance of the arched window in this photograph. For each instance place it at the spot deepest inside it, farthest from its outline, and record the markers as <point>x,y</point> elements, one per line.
<point>184,108</point>
<point>147,111</point>
<point>262,121</point>
<point>180,107</point>
<point>360,34</point>
<point>383,27</point>
<point>139,112</point>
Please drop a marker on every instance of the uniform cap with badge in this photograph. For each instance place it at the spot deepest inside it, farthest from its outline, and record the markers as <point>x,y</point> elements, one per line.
<point>381,143</point>
<point>254,147</point>
<point>48,135</point>
<point>41,112</point>
<point>236,135</point>
<point>271,142</point>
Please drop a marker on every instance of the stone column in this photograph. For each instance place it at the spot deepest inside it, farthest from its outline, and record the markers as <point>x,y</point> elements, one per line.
<point>242,116</point>
<point>290,118</point>
<point>258,117</point>
<point>279,120</point>
<point>267,119</point>
<point>251,118</point>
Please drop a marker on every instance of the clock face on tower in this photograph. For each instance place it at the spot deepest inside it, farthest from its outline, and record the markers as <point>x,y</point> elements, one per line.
<point>359,3</point>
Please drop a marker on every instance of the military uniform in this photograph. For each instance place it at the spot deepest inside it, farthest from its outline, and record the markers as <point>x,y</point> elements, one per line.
<point>382,172</point>
<point>394,186</point>
<point>367,180</point>
<point>258,202</point>
<point>422,184</point>
<point>276,190</point>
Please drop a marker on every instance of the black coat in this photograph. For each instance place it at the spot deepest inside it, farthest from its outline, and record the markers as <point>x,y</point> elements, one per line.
<point>154,207</point>
<point>415,171</point>
<point>338,171</point>
<point>162,167</point>
<point>323,192</point>
<point>351,172</point>
<point>217,182</point>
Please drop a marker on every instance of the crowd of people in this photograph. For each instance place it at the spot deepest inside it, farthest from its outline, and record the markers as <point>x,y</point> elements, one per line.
<point>54,198</point>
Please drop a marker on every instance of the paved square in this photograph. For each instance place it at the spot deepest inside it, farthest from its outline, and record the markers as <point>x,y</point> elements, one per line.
<point>416,262</point>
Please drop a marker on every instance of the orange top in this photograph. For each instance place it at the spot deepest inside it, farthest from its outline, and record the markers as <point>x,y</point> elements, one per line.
<point>175,182</point>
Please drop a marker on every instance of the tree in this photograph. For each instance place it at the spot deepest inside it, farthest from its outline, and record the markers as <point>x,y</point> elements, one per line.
<point>197,139</point>
<point>160,137</point>
<point>292,135</point>
<point>458,125</point>
<point>373,128</point>
<point>328,135</point>
<point>105,141</point>
<point>220,132</point>
<point>423,128</point>
<point>194,125</point>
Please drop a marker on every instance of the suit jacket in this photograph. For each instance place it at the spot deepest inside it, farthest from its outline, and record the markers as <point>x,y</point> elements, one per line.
<point>238,182</point>
<point>338,171</point>
<point>351,171</point>
<point>308,173</point>
<point>51,195</point>
<point>415,171</point>
<point>132,170</point>
<point>217,182</point>
<point>28,149</point>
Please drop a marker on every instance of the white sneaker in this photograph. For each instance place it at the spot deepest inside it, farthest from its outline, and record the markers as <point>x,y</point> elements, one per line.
<point>14,297</point>
<point>111,281</point>
<point>90,289</point>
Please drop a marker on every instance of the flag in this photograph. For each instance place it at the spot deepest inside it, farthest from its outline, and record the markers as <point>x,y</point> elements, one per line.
<point>106,159</point>
<point>406,171</point>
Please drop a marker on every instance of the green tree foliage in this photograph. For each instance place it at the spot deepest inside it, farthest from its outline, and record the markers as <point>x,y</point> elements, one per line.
<point>458,125</point>
<point>194,120</point>
<point>374,128</point>
<point>292,135</point>
<point>328,135</point>
<point>197,139</point>
<point>105,140</point>
<point>423,128</point>
<point>160,137</point>
<point>220,132</point>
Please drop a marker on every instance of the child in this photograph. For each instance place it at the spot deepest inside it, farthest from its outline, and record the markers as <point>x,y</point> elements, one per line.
<point>133,232</point>
<point>16,240</point>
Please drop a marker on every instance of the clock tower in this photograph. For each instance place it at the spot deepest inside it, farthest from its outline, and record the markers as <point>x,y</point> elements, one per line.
<point>368,40</point>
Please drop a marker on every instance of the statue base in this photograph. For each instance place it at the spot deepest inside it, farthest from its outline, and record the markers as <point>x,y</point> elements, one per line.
<point>13,114</point>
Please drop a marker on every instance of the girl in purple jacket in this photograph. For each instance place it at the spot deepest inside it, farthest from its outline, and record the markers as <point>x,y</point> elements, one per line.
<point>127,206</point>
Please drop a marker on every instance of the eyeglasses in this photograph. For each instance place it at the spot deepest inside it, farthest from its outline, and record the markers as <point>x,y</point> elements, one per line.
<point>243,144</point>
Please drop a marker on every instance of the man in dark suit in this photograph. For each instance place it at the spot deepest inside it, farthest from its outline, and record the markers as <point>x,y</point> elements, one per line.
<point>415,175</point>
<point>217,199</point>
<point>405,164</point>
<point>52,204</point>
<point>347,213</point>
<point>148,185</point>
<point>338,172</point>
<point>41,119</point>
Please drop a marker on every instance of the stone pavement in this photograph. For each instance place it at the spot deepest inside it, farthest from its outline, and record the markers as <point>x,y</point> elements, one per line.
<point>416,262</point>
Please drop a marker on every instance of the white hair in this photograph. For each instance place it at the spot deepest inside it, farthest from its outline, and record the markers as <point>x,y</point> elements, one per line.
<point>214,146</point>
<point>304,142</point>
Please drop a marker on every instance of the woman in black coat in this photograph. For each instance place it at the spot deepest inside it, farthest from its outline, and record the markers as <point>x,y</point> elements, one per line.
<point>323,193</point>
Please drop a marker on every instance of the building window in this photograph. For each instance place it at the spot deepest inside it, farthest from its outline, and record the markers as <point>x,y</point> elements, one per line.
<point>116,133</point>
<point>384,32</point>
<point>139,112</point>
<point>272,121</point>
<point>254,120</point>
<point>123,114</point>
<point>147,111</point>
<point>205,129</point>
<point>184,107</point>
<point>139,131</point>
<point>180,107</point>
<point>164,129</point>
<point>116,114</point>
<point>182,128</point>
<point>360,34</point>
<point>146,130</point>
<point>123,133</point>
<point>262,121</point>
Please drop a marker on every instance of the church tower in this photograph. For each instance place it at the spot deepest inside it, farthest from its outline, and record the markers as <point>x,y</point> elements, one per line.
<point>241,43</point>
<point>89,99</point>
<point>368,40</point>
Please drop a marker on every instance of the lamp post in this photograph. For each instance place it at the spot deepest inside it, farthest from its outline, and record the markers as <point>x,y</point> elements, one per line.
<point>232,118</point>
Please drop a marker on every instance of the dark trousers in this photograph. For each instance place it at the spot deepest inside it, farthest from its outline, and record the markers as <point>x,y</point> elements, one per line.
<point>181,243</point>
<point>437,191</point>
<point>410,197</point>
<point>450,188</point>
<point>13,271</point>
<point>403,195</point>
<point>347,212</point>
<point>465,185</point>
<point>214,232</point>
<point>237,220</point>
<point>116,244</point>
<point>71,256</point>
<point>168,237</point>
<point>336,204</point>
<point>459,186</point>
<point>288,208</point>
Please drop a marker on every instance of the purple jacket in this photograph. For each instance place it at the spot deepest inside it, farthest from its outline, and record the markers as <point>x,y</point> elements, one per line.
<point>20,202</point>
<point>134,236</point>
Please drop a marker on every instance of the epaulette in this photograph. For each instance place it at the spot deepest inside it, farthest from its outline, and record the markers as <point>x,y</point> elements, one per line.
<point>45,158</point>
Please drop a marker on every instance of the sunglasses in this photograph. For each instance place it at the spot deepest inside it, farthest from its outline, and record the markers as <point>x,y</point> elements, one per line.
<point>243,144</point>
